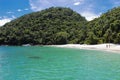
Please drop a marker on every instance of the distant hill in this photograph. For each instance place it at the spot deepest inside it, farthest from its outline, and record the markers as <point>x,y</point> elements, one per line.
<point>55,25</point>
<point>105,29</point>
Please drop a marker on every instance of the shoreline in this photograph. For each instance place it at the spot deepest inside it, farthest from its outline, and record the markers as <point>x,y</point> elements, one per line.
<point>101,47</point>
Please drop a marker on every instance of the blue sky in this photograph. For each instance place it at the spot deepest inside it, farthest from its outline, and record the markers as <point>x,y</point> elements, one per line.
<point>90,9</point>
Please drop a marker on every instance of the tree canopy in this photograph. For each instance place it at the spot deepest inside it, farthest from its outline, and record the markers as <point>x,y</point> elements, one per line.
<point>58,25</point>
<point>55,25</point>
<point>106,28</point>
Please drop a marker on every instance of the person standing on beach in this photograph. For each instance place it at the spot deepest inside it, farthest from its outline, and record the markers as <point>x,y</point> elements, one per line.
<point>106,46</point>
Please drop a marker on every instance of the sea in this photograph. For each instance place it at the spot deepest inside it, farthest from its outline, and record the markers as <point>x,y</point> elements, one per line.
<point>51,63</point>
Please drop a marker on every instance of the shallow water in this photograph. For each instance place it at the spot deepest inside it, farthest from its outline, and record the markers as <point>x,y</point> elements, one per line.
<point>49,63</point>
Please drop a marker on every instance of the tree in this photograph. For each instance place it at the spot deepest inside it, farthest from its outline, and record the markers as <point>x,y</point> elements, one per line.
<point>61,38</point>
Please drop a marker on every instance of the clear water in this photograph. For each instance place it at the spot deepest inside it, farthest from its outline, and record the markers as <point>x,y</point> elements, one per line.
<point>48,63</point>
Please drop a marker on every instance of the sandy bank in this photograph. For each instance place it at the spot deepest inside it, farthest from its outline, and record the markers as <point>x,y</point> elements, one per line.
<point>103,47</point>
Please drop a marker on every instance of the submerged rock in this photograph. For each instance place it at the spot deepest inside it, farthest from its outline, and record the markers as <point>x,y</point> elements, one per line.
<point>34,57</point>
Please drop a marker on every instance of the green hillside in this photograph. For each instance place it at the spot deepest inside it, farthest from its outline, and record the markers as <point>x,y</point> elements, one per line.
<point>58,25</point>
<point>50,26</point>
<point>105,29</point>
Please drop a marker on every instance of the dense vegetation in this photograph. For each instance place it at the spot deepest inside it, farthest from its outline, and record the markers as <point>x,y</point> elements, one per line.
<point>105,29</point>
<point>61,26</point>
<point>50,26</point>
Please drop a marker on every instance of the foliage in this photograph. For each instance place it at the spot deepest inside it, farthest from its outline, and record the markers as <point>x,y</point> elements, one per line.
<point>55,25</point>
<point>106,28</point>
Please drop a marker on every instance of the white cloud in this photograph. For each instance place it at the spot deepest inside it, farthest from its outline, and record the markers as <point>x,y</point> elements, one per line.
<point>19,10</point>
<point>86,8</point>
<point>115,3</point>
<point>37,5</point>
<point>90,15</point>
<point>26,9</point>
<point>10,12</point>
<point>76,3</point>
<point>4,20</point>
<point>13,17</point>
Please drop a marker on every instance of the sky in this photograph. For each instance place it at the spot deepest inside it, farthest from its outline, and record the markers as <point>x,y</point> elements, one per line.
<point>90,9</point>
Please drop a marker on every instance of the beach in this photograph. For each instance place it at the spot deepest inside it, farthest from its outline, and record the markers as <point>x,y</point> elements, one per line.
<point>104,47</point>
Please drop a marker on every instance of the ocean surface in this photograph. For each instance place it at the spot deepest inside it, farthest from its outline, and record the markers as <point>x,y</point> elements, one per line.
<point>50,63</point>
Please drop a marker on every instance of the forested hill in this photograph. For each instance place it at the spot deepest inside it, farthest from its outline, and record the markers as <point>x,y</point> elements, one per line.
<point>105,29</point>
<point>55,25</point>
<point>58,25</point>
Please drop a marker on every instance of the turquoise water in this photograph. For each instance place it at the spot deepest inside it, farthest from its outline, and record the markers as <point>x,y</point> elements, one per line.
<point>49,63</point>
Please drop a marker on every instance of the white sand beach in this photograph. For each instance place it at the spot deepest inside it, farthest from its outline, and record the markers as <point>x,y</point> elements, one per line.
<point>104,47</point>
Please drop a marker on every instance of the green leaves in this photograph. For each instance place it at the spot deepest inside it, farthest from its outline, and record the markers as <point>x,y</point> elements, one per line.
<point>50,26</point>
<point>61,38</point>
<point>58,25</point>
<point>106,27</point>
